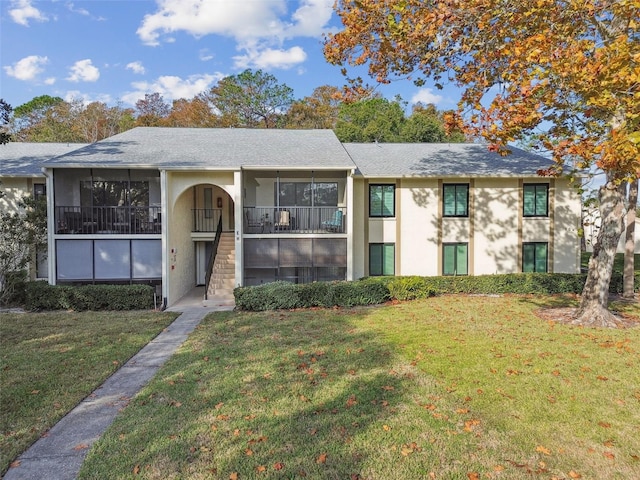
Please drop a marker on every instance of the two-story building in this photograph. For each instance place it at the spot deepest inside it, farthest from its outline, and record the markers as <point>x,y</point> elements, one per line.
<point>153,205</point>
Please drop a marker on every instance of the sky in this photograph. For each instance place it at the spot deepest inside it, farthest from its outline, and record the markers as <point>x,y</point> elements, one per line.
<point>116,51</point>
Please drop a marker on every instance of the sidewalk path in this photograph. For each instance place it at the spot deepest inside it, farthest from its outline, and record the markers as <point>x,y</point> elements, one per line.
<point>59,454</point>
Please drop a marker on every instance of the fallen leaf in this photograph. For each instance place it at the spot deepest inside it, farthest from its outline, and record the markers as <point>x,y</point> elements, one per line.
<point>248,452</point>
<point>136,470</point>
<point>609,455</point>
<point>233,476</point>
<point>218,406</point>
<point>386,428</point>
<point>278,466</point>
<point>542,449</point>
<point>322,458</point>
<point>604,424</point>
<point>388,388</point>
<point>81,446</point>
<point>261,468</point>
<point>574,474</point>
<point>473,476</point>
<point>14,464</point>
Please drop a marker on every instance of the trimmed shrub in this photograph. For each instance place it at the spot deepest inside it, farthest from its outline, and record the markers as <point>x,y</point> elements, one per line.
<point>411,288</point>
<point>42,296</point>
<point>284,295</point>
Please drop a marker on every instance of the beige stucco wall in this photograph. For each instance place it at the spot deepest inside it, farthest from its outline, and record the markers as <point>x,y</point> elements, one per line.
<point>418,227</point>
<point>495,229</point>
<point>14,188</point>
<point>180,245</point>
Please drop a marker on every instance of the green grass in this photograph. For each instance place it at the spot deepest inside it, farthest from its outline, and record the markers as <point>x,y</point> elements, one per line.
<point>50,361</point>
<point>449,388</point>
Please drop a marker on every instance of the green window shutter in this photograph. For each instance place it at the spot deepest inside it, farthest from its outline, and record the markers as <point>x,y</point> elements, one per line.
<point>389,259</point>
<point>541,200</point>
<point>375,200</point>
<point>541,257</point>
<point>388,200</point>
<point>375,259</point>
<point>449,194</point>
<point>449,260</point>
<point>528,257</point>
<point>461,259</point>
<point>462,193</point>
<point>529,200</point>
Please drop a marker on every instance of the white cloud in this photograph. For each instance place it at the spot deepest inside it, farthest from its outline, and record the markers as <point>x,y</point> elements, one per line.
<point>204,55</point>
<point>83,71</point>
<point>172,87</point>
<point>50,81</point>
<point>259,27</point>
<point>270,58</point>
<point>136,67</point>
<point>426,96</point>
<point>79,10</point>
<point>23,11</point>
<point>86,99</point>
<point>27,68</point>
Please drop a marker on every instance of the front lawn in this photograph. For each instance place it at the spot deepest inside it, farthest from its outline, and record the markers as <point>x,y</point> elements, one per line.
<point>455,387</point>
<point>49,362</point>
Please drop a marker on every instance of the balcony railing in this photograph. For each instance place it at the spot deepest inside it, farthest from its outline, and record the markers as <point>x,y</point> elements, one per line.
<point>295,219</point>
<point>105,220</point>
<point>206,219</point>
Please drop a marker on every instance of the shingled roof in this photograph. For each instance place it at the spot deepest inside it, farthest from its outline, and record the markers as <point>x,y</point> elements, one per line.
<point>21,159</point>
<point>442,160</point>
<point>211,148</point>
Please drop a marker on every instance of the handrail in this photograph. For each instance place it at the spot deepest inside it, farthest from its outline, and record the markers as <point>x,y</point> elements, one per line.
<point>212,258</point>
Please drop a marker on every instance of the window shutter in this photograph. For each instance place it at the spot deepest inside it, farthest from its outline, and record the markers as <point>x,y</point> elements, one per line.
<point>388,199</point>
<point>375,259</point>
<point>461,259</point>
<point>389,252</point>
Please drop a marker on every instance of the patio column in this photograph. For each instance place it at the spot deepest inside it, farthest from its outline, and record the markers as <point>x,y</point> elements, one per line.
<point>349,226</point>
<point>164,209</point>
<point>238,202</point>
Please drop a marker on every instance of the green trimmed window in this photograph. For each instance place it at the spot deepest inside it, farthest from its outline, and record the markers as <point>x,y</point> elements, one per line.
<point>456,200</point>
<point>382,259</point>
<point>455,258</point>
<point>536,200</point>
<point>382,200</point>
<point>535,257</point>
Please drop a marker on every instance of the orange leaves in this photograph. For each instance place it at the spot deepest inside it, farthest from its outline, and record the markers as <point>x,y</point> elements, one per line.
<point>322,458</point>
<point>543,450</point>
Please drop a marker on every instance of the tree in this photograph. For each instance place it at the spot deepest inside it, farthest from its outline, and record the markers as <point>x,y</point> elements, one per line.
<point>21,234</point>
<point>370,120</point>
<point>5,117</point>
<point>319,110</point>
<point>151,110</point>
<point>250,99</point>
<point>44,119</point>
<point>96,121</point>
<point>569,68</point>
<point>190,113</point>
<point>426,124</point>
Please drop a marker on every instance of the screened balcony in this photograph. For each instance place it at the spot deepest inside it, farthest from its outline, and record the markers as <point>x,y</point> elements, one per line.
<point>109,201</point>
<point>295,202</point>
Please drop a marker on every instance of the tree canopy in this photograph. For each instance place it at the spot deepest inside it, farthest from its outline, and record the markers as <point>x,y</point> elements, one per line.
<point>567,71</point>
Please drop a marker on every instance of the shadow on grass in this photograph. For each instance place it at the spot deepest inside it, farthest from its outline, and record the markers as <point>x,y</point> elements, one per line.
<point>273,394</point>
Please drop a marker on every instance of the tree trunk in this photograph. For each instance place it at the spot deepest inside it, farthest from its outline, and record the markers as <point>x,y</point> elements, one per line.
<point>593,309</point>
<point>630,244</point>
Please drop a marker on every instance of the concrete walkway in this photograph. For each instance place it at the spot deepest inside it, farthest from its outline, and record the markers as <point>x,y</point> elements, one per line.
<point>59,454</point>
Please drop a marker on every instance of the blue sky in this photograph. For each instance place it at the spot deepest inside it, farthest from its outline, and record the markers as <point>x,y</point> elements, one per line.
<point>118,50</point>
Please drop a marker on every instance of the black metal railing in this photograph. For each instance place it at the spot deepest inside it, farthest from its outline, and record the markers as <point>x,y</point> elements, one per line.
<point>295,219</point>
<point>212,258</point>
<point>105,220</point>
<point>206,219</point>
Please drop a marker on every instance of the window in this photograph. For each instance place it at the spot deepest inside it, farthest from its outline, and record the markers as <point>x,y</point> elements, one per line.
<point>299,194</point>
<point>382,200</point>
<point>39,191</point>
<point>456,200</point>
<point>534,257</point>
<point>382,259</point>
<point>536,200</point>
<point>455,259</point>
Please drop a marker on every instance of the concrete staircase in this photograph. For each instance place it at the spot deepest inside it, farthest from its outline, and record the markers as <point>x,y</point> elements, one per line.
<point>222,282</point>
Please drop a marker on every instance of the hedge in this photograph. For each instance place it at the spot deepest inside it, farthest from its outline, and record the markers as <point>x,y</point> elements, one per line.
<point>375,290</point>
<point>42,296</point>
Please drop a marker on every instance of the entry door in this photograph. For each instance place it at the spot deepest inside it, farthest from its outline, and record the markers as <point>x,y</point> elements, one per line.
<point>203,251</point>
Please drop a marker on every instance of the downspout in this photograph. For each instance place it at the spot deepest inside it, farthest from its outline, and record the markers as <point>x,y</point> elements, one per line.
<point>51,227</point>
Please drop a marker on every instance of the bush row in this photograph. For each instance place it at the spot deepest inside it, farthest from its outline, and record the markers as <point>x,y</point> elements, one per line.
<point>42,296</point>
<point>375,290</point>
